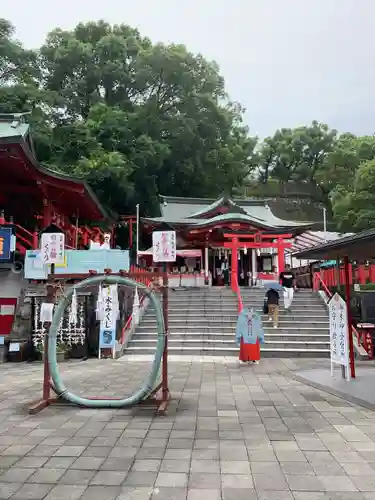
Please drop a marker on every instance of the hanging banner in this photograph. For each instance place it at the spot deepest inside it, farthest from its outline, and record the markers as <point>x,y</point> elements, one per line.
<point>164,246</point>
<point>109,303</point>
<point>338,332</point>
<point>53,248</point>
<point>7,244</point>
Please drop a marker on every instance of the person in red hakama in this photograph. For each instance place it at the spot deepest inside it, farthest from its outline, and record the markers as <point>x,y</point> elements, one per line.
<point>249,352</point>
<point>249,336</point>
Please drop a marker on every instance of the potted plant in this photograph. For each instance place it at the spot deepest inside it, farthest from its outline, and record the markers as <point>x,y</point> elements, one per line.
<point>60,351</point>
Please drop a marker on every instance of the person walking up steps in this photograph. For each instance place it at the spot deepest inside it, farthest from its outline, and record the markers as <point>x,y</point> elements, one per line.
<point>288,282</point>
<point>272,298</point>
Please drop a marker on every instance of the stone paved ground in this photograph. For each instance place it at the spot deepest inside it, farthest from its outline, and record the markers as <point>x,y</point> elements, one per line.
<point>232,433</point>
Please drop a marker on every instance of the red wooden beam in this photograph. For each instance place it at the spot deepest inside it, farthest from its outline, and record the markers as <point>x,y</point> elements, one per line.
<point>244,244</point>
<point>252,236</point>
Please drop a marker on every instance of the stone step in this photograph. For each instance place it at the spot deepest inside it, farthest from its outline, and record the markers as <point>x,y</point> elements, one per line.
<point>215,331</point>
<point>283,316</point>
<point>266,352</point>
<point>227,344</point>
<point>183,336</point>
<point>225,320</point>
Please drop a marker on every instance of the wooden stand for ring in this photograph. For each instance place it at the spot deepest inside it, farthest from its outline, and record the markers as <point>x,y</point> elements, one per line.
<point>46,395</point>
<point>159,398</point>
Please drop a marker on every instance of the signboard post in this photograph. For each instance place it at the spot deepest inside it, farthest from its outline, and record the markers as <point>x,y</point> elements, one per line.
<point>53,248</point>
<point>164,246</point>
<point>338,332</point>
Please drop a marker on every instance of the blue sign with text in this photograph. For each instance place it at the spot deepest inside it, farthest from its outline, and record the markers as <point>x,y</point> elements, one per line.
<point>107,337</point>
<point>6,250</point>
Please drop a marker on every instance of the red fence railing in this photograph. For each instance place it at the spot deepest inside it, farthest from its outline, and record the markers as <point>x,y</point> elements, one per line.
<point>360,274</point>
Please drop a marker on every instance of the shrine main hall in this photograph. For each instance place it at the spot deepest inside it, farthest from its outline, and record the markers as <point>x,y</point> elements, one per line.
<point>225,237</point>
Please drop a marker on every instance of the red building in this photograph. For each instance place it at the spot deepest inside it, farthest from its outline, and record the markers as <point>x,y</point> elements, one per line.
<point>222,237</point>
<point>33,197</point>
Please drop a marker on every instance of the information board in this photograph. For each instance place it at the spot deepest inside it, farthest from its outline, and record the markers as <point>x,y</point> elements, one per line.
<point>53,248</point>
<point>338,332</point>
<point>164,246</point>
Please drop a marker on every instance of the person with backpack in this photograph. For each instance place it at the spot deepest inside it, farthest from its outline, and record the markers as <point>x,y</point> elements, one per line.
<point>271,306</point>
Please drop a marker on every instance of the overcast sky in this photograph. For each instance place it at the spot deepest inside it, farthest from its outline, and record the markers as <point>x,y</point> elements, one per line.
<point>287,61</point>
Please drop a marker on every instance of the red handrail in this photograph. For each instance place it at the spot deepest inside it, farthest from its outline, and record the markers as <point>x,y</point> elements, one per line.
<point>142,279</point>
<point>239,298</point>
<point>319,281</point>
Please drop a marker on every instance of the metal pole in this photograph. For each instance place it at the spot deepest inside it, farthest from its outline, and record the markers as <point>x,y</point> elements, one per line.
<point>137,241</point>
<point>325,219</point>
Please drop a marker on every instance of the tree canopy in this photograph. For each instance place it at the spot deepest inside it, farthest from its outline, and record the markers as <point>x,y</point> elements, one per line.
<point>137,119</point>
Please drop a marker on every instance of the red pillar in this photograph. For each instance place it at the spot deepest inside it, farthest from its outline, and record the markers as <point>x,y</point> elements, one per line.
<point>47,213</point>
<point>234,265</point>
<point>280,255</point>
<point>349,314</point>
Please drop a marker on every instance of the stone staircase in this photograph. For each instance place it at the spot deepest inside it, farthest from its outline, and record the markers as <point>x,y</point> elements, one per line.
<point>203,322</point>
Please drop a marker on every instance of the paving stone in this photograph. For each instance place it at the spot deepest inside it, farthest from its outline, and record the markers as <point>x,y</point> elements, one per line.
<point>265,468</point>
<point>75,476</point>
<point>46,476</point>
<point>97,451</point>
<point>31,462</point>
<point>16,475</point>
<point>364,483</point>
<point>175,466</point>
<point>101,493</point>
<point>8,489</point>
<point>135,493</point>
<point>337,483</point>
<point>177,454</point>
<point>140,479</point>
<point>171,480</point>
<point>108,478</point>
<point>121,464</point>
<point>169,494</point>
<point>304,482</point>
<point>204,494</point>
<point>241,481</point>
<point>238,494</point>
<point>148,465</point>
<point>87,463</point>
<point>273,481</point>
<point>299,468</point>
<point>310,495</point>
<point>209,466</point>
<point>235,467</point>
<point>32,492</point>
<point>66,492</point>
<point>204,481</point>
<point>275,495</point>
<point>69,451</point>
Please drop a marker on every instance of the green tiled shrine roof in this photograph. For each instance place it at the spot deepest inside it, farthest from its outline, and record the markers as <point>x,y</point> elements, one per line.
<point>191,211</point>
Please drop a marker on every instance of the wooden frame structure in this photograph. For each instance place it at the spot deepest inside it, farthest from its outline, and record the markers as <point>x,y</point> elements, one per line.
<point>160,396</point>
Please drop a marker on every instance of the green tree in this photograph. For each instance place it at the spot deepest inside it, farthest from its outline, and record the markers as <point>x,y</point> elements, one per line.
<point>354,207</point>
<point>161,107</point>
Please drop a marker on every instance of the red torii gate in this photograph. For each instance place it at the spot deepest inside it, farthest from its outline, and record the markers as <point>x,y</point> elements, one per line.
<point>258,240</point>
